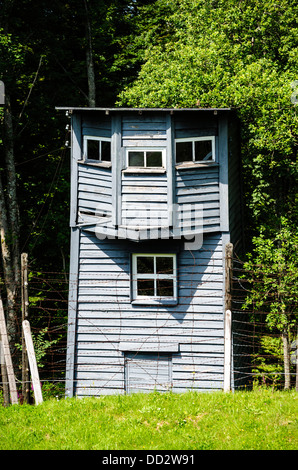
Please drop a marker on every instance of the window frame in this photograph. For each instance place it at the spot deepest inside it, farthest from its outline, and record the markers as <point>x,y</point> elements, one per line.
<point>100,140</point>
<point>145,150</point>
<point>194,162</point>
<point>135,276</point>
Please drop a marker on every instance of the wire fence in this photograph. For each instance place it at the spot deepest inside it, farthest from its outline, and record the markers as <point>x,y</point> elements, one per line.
<point>258,354</point>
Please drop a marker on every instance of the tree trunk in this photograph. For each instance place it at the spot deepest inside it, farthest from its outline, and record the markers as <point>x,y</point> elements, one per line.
<point>9,227</point>
<point>285,341</point>
<point>89,60</point>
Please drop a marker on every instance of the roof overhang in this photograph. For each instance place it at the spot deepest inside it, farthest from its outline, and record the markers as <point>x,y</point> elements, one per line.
<point>141,110</point>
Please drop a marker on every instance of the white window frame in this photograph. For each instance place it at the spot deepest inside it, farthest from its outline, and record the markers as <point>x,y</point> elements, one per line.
<point>85,149</point>
<point>147,149</point>
<point>193,140</point>
<point>136,276</point>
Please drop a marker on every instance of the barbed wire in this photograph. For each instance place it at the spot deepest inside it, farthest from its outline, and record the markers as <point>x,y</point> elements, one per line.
<point>49,291</point>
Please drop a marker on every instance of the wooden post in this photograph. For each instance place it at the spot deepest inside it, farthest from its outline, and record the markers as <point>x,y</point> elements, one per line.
<point>7,358</point>
<point>228,276</point>
<point>32,362</point>
<point>228,316</point>
<point>4,378</point>
<point>227,351</point>
<point>25,304</point>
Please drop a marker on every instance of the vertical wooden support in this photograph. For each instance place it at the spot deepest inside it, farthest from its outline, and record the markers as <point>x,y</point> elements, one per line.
<point>228,275</point>
<point>227,351</point>
<point>32,362</point>
<point>25,304</point>
<point>228,316</point>
<point>72,311</point>
<point>170,171</point>
<point>76,154</point>
<point>7,358</point>
<point>116,158</point>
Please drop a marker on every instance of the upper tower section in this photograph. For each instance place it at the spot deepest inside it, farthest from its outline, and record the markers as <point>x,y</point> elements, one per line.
<point>154,173</point>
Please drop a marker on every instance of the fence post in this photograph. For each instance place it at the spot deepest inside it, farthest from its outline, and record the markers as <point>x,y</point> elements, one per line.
<point>228,316</point>
<point>32,362</point>
<point>227,351</point>
<point>7,358</point>
<point>25,304</point>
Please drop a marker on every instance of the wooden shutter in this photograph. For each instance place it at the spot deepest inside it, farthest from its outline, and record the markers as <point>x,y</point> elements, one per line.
<point>146,372</point>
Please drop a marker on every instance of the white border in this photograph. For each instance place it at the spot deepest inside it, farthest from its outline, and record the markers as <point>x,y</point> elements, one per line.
<point>101,139</point>
<point>136,276</point>
<point>193,140</point>
<point>146,149</point>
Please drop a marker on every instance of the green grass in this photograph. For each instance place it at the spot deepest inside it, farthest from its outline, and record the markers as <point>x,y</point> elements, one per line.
<point>193,421</point>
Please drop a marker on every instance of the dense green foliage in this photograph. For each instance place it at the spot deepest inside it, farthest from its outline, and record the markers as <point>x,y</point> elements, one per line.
<point>231,54</point>
<point>244,420</point>
<point>243,55</point>
<point>162,53</point>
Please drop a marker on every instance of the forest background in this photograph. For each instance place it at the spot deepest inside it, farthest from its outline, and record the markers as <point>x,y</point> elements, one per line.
<point>176,53</point>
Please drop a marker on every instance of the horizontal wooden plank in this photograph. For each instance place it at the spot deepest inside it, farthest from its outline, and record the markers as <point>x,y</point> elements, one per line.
<point>141,205</point>
<point>144,190</point>
<point>128,142</point>
<point>144,125</point>
<point>97,392</point>
<point>125,324</point>
<point>86,380</point>
<point>94,190</point>
<point>101,120</point>
<point>86,170</point>
<point>157,118</point>
<point>98,347</point>
<point>151,315</point>
<point>211,242</point>
<point>148,346</point>
<point>136,182</point>
<point>195,175</point>
<point>195,132</point>
<point>95,182</point>
<point>145,198</point>
<point>201,189</point>
<point>97,132</point>
<point>143,134</point>
<point>88,302</point>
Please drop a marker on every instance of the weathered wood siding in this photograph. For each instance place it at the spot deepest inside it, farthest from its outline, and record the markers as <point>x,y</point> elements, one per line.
<point>110,327</point>
<point>197,189</point>
<point>197,199</point>
<point>144,196</point>
<point>94,190</point>
<point>144,200</point>
<point>141,130</point>
<point>97,125</point>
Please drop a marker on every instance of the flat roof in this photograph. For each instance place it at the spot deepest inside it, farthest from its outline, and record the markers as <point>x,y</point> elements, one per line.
<point>171,110</point>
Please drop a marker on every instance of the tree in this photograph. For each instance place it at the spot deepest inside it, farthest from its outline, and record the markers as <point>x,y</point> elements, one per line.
<point>12,56</point>
<point>274,285</point>
<point>51,54</point>
<point>230,54</point>
<point>239,54</point>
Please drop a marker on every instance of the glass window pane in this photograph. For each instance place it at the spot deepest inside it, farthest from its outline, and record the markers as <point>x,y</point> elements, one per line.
<point>183,152</point>
<point>136,159</point>
<point>165,288</point>
<point>164,265</point>
<point>203,150</point>
<point>154,159</point>
<point>93,149</point>
<point>105,151</point>
<point>145,287</point>
<point>145,265</point>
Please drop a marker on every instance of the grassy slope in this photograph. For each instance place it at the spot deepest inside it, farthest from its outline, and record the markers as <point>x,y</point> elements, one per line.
<point>242,420</point>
